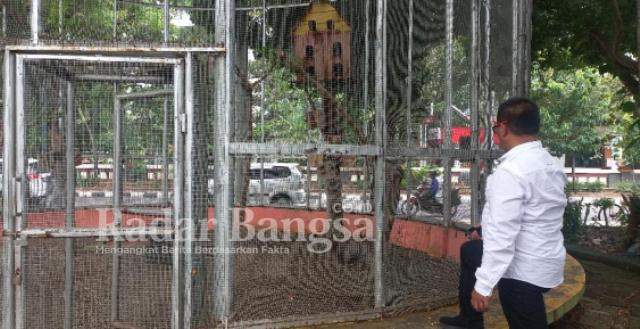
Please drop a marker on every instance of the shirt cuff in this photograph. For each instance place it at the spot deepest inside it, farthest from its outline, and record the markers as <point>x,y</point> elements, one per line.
<point>483,289</point>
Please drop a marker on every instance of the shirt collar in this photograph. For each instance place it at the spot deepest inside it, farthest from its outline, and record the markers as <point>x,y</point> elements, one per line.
<point>519,149</point>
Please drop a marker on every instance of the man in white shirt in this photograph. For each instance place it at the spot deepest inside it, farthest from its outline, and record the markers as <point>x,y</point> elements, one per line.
<point>523,248</point>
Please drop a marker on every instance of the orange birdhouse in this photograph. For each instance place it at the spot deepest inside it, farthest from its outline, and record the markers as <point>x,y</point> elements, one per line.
<point>322,42</point>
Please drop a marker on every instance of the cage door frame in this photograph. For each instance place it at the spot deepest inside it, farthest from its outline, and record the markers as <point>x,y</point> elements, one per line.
<point>16,234</point>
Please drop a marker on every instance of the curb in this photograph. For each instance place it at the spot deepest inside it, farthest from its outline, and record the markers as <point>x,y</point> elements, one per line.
<point>109,194</point>
<point>617,261</point>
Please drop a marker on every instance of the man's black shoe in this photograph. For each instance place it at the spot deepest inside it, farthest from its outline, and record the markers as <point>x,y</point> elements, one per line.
<point>461,322</point>
<point>456,321</point>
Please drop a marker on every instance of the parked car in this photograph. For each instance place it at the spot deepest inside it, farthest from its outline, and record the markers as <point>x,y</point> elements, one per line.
<point>38,187</point>
<point>283,184</point>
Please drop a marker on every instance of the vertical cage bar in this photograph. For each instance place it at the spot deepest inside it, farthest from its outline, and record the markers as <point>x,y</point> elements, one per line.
<point>188,183</point>
<point>486,80</point>
<point>380,46</point>
<point>70,204</point>
<point>60,15</point>
<point>365,96</point>
<point>8,197</point>
<point>446,202</point>
<point>409,93</point>
<point>223,266</point>
<point>515,48</point>
<point>35,21</point>
<point>117,199</point>
<point>525,39</point>
<point>476,70</point>
<point>165,152</point>
<point>115,20</point>
<point>521,47</point>
<point>410,73</point>
<point>20,193</point>
<point>4,20</point>
<point>178,200</point>
<point>229,82</point>
<point>165,22</point>
<point>263,103</point>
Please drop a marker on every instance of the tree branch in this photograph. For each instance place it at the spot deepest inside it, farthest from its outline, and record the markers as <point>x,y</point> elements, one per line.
<point>611,52</point>
<point>326,94</point>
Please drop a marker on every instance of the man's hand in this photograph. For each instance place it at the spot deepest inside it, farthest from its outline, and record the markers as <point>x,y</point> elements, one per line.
<point>480,303</point>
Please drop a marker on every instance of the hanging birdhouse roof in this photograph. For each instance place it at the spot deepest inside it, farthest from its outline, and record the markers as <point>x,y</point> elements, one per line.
<point>321,11</point>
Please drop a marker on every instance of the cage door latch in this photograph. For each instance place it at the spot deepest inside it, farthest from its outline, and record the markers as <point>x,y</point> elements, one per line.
<point>183,122</point>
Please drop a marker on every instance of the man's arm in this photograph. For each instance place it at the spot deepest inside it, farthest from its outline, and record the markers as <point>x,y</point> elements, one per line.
<point>505,199</point>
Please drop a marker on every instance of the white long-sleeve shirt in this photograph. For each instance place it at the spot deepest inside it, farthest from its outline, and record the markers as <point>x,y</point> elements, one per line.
<point>522,220</point>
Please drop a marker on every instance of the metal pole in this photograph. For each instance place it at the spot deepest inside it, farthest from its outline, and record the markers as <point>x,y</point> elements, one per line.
<point>409,94</point>
<point>115,20</point>
<point>4,21</point>
<point>145,94</point>
<point>188,196</point>
<point>165,27</point>
<point>60,13</point>
<point>223,263</point>
<point>308,187</point>
<point>178,200</point>
<point>410,73</point>
<point>282,6</point>
<point>70,206</point>
<point>20,192</point>
<point>515,48</point>
<point>447,114</point>
<point>380,46</point>
<point>365,91</point>
<point>526,25</point>
<point>475,107</point>
<point>263,102</point>
<point>35,21</point>
<point>117,198</point>
<point>488,136</point>
<point>165,152</point>
<point>8,196</point>
<point>119,78</point>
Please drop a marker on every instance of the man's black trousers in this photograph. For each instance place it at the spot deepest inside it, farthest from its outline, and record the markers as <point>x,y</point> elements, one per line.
<point>522,302</point>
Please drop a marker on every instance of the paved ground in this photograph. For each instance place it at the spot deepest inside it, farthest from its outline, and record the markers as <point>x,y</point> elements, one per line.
<point>611,301</point>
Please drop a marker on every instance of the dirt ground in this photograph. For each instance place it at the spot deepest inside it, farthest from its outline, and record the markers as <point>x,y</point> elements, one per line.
<point>611,300</point>
<point>269,283</point>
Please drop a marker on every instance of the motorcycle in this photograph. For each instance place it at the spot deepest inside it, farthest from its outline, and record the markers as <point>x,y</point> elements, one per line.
<point>422,199</point>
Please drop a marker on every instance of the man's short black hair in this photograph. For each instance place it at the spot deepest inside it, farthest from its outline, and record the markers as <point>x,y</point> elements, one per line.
<point>521,115</point>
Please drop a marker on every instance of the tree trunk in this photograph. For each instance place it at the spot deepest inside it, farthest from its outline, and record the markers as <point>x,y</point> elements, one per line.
<point>202,96</point>
<point>393,177</point>
<point>330,171</point>
<point>56,196</point>
<point>573,169</point>
<point>631,234</point>
<point>243,122</point>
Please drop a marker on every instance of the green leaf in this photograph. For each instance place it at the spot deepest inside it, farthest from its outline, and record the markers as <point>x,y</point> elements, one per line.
<point>628,107</point>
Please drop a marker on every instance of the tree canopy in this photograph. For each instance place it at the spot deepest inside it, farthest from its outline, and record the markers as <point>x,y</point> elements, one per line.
<point>602,34</point>
<point>575,108</point>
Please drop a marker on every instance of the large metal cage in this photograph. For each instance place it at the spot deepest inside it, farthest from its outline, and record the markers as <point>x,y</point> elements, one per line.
<point>245,163</point>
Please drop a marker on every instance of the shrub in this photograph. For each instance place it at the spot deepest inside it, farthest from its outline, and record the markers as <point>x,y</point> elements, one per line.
<point>572,227</point>
<point>631,195</point>
<point>89,181</point>
<point>594,186</point>
<point>587,186</point>
<point>418,176</point>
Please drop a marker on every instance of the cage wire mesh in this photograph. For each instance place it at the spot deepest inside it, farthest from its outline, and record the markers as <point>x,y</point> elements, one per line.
<point>146,130</point>
<point>109,22</point>
<point>306,76</point>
